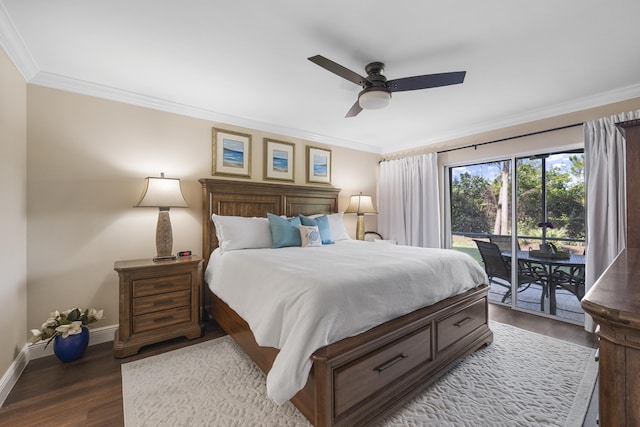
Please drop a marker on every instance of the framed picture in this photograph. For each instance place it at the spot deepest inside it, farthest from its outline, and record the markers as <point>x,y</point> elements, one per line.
<point>231,153</point>
<point>318,165</point>
<point>279,160</point>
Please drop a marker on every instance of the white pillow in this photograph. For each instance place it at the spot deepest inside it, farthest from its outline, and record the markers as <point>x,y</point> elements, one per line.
<point>310,235</point>
<point>336,223</point>
<point>237,232</point>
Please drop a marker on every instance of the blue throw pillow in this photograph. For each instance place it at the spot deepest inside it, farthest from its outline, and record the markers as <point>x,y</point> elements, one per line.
<point>323,225</point>
<point>284,232</point>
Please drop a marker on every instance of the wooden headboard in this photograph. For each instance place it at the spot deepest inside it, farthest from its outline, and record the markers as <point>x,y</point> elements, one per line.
<point>247,198</point>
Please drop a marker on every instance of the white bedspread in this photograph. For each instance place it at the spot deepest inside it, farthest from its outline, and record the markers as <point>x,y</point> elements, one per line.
<point>301,299</point>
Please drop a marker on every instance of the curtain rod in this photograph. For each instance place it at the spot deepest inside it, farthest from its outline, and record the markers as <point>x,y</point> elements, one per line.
<point>475,146</point>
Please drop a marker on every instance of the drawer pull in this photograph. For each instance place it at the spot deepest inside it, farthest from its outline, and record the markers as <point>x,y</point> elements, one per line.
<point>163,301</point>
<point>163,319</point>
<point>390,363</point>
<point>462,322</point>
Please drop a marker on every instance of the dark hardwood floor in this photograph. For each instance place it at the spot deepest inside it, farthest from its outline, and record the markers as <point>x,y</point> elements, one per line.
<point>88,391</point>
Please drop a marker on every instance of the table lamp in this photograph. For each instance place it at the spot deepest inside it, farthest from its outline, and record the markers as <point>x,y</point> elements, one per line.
<point>163,193</point>
<point>361,205</point>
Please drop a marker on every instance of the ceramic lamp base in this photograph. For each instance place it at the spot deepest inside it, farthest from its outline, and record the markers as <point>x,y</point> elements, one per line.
<point>164,234</point>
<point>360,227</point>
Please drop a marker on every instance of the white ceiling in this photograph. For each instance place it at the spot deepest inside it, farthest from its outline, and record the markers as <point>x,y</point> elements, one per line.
<point>245,62</point>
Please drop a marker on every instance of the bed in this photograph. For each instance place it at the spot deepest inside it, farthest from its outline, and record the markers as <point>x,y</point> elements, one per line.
<point>362,378</point>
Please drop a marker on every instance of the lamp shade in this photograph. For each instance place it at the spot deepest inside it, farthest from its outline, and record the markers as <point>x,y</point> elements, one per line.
<point>162,193</point>
<point>360,205</point>
<point>374,99</point>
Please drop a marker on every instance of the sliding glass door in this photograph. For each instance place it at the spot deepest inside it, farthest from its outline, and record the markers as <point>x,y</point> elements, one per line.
<point>550,212</point>
<point>505,211</point>
<point>480,210</point>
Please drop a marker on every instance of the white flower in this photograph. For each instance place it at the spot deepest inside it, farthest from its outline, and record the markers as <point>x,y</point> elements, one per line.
<point>50,323</point>
<point>95,314</point>
<point>71,329</point>
<point>36,335</point>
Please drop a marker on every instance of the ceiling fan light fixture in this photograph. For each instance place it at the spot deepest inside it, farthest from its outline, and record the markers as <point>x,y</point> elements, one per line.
<point>374,99</point>
<point>376,89</point>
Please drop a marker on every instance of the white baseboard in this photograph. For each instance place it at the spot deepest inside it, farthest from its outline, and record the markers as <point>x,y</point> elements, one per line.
<point>10,378</point>
<point>97,336</point>
<point>37,350</point>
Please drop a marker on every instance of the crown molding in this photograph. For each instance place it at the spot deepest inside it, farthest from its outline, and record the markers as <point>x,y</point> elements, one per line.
<point>56,81</point>
<point>592,101</point>
<point>82,87</point>
<point>14,46</point>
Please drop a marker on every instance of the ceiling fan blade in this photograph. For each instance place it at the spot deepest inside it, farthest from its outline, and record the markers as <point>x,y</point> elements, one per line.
<point>338,69</point>
<point>426,81</point>
<point>355,109</point>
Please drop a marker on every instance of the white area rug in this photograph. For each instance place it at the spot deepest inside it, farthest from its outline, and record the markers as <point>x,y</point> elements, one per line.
<point>522,379</point>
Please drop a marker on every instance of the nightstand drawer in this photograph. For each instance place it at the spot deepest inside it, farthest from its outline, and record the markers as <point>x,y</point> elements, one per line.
<point>160,319</point>
<point>160,302</point>
<point>159,285</point>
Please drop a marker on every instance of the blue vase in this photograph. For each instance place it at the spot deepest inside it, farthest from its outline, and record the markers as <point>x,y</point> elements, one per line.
<point>72,347</point>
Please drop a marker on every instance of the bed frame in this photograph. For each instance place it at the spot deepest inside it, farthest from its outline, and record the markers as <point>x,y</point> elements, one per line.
<point>363,378</point>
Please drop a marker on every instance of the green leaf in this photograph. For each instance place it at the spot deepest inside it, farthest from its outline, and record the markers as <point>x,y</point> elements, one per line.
<point>74,315</point>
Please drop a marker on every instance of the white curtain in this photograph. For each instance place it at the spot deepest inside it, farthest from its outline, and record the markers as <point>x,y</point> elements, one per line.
<point>408,201</point>
<point>604,150</point>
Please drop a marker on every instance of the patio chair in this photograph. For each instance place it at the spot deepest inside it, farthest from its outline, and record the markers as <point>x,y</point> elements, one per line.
<point>497,267</point>
<point>526,268</point>
<point>571,280</point>
<point>504,242</point>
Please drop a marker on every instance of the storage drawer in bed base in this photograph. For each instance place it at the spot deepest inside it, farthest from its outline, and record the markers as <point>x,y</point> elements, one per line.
<point>419,351</point>
<point>363,377</point>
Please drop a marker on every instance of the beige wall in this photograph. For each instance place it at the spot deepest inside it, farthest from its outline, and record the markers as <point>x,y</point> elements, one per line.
<point>13,214</point>
<point>87,160</point>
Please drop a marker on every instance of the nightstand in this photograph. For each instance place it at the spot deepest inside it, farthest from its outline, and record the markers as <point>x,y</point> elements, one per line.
<point>158,301</point>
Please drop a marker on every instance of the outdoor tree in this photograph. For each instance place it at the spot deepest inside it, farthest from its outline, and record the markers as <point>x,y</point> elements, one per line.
<point>480,202</point>
<point>501,223</point>
<point>470,203</point>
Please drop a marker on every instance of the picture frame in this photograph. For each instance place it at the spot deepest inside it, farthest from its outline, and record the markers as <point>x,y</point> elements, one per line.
<point>231,152</point>
<point>318,165</point>
<point>279,160</point>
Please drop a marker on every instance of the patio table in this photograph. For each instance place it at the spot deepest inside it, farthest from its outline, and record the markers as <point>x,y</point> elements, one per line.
<point>550,266</point>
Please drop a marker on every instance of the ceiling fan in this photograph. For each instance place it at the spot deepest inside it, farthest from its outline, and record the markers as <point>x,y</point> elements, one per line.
<point>376,89</point>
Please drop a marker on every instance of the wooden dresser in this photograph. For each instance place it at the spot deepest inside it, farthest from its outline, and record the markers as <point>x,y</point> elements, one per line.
<point>614,303</point>
<point>158,301</point>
